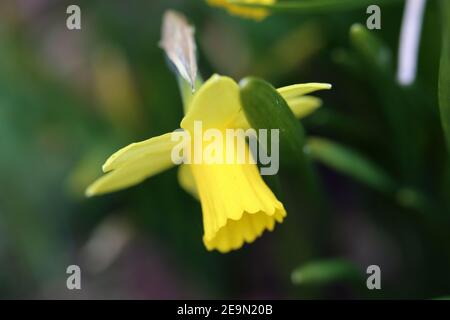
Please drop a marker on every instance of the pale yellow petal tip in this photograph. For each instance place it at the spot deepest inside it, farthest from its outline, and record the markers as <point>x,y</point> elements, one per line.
<point>110,162</point>
<point>96,188</point>
<point>106,167</point>
<point>90,191</point>
<point>321,85</point>
<point>298,90</point>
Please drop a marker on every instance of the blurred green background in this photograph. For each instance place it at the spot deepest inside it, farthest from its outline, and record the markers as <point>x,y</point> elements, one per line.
<point>69,99</point>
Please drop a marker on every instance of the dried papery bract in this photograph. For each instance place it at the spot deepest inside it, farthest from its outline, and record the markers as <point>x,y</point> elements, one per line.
<point>177,40</point>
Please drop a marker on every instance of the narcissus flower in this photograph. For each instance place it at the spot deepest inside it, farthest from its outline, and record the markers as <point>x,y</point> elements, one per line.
<point>253,13</point>
<point>237,205</point>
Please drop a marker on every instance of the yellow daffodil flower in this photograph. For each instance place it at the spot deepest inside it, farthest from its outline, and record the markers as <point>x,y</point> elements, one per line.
<point>237,205</point>
<point>253,13</point>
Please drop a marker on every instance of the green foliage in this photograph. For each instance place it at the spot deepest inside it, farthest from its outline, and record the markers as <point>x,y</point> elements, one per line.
<point>350,163</point>
<point>326,272</point>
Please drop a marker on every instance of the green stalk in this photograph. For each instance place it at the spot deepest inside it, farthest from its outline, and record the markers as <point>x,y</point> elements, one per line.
<point>186,90</point>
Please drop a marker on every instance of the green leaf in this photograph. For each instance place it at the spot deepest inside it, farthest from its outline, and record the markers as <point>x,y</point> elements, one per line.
<point>444,72</point>
<point>326,272</point>
<point>186,90</point>
<point>265,108</point>
<point>351,163</point>
<point>314,6</point>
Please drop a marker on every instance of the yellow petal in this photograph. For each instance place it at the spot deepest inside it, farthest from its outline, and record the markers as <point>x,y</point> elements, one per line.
<point>296,90</point>
<point>253,13</point>
<point>240,121</point>
<point>133,164</point>
<point>216,104</point>
<point>304,105</point>
<point>186,180</point>
<point>149,147</point>
<point>237,205</point>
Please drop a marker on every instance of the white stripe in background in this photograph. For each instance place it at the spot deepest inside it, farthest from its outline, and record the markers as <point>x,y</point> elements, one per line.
<point>409,41</point>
